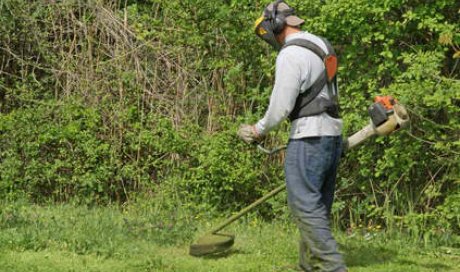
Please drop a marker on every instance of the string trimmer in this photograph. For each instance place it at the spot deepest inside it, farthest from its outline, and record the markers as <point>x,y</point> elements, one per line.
<point>386,116</point>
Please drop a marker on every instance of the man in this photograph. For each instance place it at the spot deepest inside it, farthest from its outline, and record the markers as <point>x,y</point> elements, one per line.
<point>305,91</point>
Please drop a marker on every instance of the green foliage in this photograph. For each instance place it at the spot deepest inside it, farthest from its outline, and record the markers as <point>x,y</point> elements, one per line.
<point>60,151</point>
<point>225,172</point>
<point>103,100</point>
<point>404,49</point>
<point>53,151</point>
<point>448,213</point>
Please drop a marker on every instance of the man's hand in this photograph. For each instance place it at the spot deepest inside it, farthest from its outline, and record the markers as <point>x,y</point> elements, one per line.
<point>248,134</point>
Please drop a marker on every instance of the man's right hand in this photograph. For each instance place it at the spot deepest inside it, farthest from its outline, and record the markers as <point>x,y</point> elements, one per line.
<point>248,133</point>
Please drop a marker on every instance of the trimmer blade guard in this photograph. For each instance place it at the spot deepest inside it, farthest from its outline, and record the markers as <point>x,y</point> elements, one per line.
<point>212,244</point>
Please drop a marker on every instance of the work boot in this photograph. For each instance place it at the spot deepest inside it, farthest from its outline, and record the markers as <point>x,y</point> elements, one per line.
<point>304,269</point>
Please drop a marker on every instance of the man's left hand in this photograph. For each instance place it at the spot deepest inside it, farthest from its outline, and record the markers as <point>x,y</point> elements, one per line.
<point>248,133</point>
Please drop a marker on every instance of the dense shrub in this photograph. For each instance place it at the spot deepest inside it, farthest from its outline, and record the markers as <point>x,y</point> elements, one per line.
<point>225,172</point>
<point>101,99</point>
<point>62,151</point>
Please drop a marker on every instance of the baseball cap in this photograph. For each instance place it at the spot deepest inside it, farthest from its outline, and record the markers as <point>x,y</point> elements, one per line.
<point>291,20</point>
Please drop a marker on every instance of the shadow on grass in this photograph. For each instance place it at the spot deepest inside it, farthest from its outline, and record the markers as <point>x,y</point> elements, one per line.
<point>224,254</point>
<point>367,255</point>
<point>432,266</point>
<point>362,255</point>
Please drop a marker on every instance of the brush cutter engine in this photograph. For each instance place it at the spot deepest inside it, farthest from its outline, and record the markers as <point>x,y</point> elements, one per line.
<point>386,115</point>
<point>381,109</point>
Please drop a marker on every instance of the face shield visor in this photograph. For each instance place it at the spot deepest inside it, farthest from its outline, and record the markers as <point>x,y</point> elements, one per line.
<point>264,30</point>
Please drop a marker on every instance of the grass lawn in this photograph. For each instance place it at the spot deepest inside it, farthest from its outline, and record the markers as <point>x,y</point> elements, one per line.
<point>64,238</point>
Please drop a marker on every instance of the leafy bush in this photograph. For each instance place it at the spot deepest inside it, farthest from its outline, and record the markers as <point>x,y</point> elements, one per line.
<point>226,172</point>
<point>60,151</point>
<point>53,151</point>
<point>103,100</point>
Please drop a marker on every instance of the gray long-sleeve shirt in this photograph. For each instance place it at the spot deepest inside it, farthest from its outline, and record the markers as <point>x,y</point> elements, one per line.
<point>296,70</point>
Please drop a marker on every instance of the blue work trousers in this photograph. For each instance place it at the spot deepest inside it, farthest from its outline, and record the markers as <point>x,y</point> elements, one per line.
<point>311,169</point>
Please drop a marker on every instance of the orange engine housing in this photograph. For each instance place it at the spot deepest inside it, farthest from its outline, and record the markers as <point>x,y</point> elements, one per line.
<point>387,101</point>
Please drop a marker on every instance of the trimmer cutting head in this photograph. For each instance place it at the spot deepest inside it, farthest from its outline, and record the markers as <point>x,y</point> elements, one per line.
<point>213,243</point>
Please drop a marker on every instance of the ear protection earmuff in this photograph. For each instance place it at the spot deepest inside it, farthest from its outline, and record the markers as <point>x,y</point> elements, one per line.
<point>272,23</point>
<point>278,19</point>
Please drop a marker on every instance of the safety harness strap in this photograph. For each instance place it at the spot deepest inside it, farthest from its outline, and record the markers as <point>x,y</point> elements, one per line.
<point>304,99</point>
<point>307,97</point>
<point>309,45</point>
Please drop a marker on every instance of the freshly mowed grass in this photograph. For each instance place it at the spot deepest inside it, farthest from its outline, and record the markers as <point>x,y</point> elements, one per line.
<point>67,238</point>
